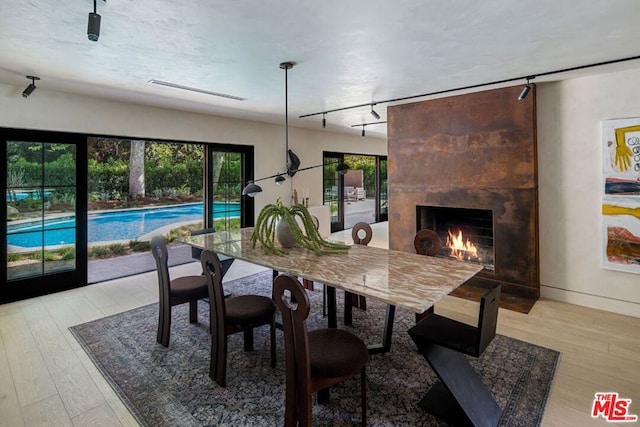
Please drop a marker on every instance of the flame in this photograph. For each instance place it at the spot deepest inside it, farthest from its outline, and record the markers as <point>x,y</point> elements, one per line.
<point>459,248</point>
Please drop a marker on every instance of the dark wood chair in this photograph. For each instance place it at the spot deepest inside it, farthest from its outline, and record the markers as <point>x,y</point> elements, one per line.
<point>427,242</point>
<point>228,316</point>
<point>460,396</point>
<point>317,359</point>
<point>197,252</point>
<point>181,290</point>
<point>361,234</point>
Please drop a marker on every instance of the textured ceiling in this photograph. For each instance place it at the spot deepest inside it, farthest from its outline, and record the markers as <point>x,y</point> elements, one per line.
<point>346,52</point>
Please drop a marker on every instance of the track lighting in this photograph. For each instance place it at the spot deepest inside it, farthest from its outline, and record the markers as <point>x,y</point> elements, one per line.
<point>525,90</point>
<point>374,114</point>
<point>93,26</point>
<point>324,120</point>
<point>280,179</point>
<point>363,130</point>
<point>32,86</point>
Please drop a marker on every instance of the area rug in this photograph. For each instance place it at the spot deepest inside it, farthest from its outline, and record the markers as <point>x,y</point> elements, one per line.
<point>171,386</point>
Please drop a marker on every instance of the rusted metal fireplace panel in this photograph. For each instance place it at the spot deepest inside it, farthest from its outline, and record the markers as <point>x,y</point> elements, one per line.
<point>473,151</point>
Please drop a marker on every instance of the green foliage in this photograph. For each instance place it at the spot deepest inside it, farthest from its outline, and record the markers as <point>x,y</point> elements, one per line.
<point>98,251</point>
<point>264,231</point>
<point>117,249</point>
<point>68,253</point>
<point>138,246</point>
<point>13,257</point>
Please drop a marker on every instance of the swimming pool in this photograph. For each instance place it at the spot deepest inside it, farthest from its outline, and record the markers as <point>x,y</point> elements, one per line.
<point>128,224</point>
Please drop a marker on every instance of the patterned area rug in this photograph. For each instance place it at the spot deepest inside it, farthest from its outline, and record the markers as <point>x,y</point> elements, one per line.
<point>171,387</point>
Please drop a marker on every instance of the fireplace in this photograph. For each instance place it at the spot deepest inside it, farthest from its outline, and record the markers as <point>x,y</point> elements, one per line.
<point>469,161</point>
<point>466,234</point>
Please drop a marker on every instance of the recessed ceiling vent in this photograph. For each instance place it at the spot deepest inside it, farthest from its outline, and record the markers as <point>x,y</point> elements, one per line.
<point>195,89</point>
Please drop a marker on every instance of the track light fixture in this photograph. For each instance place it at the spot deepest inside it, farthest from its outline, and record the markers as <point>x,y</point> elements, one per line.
<point>93,26</point>
<point>525,90</point>
<point>367,124</point>
<point>375,114</point>
<point>475,86</point>
<point>32,86</point>
<point>280,179</point>
<point>324,120</point>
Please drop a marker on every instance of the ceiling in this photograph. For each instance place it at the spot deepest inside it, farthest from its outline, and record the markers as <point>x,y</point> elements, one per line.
<point>346,52</point>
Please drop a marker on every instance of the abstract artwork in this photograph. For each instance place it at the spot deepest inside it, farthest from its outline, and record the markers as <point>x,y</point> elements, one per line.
<point>621,195</point>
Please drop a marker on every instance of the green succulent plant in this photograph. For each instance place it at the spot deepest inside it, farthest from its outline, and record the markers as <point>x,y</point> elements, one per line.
<point>265,230</point>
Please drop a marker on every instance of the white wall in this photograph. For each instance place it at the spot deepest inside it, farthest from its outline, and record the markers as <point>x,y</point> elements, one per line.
<point>55,111</point>
<point>570,189</point>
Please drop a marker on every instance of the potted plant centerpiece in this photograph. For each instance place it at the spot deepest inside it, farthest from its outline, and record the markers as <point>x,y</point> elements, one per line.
<point>277,221</point>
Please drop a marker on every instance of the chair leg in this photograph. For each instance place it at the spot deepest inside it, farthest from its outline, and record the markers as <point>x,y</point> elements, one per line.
<point>304,410</point>
<point>164,324</point>
<point>363,390</point>
<point>193,311</point>
<point>248,339</point>
<point>272,326</point>
<point>218,366</point>
<point>348,308</point>
<point>324,396</point>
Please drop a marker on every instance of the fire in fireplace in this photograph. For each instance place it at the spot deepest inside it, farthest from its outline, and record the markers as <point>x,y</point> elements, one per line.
<point>466,234</point>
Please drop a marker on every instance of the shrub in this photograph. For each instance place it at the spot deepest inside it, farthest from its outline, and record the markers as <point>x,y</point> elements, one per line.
<point>68,253</point>
<point>137,246</point>
<point>117,249</point>
<point>98,251</point>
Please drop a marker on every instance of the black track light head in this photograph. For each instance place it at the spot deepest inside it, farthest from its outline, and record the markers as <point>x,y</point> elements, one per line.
<point>324,120</point>
<point>374,113</point>
<point>32,86</point>
<point>362,130</point>
<point>525,90</point>
<point>280,179</point>
<point>93,25</point>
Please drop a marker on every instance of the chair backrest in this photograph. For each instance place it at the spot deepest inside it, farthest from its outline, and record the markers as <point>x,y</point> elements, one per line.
<point>488,318</point>
<point>212,269</point>
<point>196,252</point>
<point>161,256</point>
<point>427,242</point>
<point>361,233</point>
<point>293,303</point>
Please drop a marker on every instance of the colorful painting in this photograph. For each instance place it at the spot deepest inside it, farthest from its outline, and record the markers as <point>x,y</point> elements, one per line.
<point>621,194</point>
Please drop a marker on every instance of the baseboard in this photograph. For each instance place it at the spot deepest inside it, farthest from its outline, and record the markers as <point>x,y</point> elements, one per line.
<point>627,308</point>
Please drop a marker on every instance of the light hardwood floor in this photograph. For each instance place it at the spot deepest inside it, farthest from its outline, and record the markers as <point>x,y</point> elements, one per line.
<point>47,379</point>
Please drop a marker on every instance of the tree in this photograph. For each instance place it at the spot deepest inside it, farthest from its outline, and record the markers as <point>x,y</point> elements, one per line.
<point>136,169</point>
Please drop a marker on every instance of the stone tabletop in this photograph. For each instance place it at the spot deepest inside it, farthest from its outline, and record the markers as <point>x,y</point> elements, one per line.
<point>412,281</point>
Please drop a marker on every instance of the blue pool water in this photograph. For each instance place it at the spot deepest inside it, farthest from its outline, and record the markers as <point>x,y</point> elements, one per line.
<point>119,225</point>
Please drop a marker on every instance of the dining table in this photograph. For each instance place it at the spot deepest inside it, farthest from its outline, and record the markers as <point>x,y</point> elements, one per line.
<point>398,279</point>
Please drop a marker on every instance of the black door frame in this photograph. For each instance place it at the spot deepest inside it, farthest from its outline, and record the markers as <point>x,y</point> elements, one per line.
<point>46,283</point>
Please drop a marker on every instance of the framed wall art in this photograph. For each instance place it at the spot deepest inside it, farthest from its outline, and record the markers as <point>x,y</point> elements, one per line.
<point>621,194</point>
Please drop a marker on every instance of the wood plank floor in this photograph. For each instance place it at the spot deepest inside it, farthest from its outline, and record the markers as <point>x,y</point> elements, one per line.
<point>46,379</point>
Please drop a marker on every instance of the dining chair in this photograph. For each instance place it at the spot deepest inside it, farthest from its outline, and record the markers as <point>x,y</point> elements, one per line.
<point>361,233</point>
<point>197,252</point>
<point>427,242</point>
<point>181,290</point>
<point>228,316</point>
<point>317,359</point>
<point>460,336</point>
<point>444,342</point>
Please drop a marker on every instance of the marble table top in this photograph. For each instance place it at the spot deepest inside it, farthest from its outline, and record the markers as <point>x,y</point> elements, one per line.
<point>412,281</point>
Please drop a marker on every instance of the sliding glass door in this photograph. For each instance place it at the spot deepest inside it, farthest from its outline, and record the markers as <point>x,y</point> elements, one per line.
<point>44,233</point>
<point>359,194</point>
